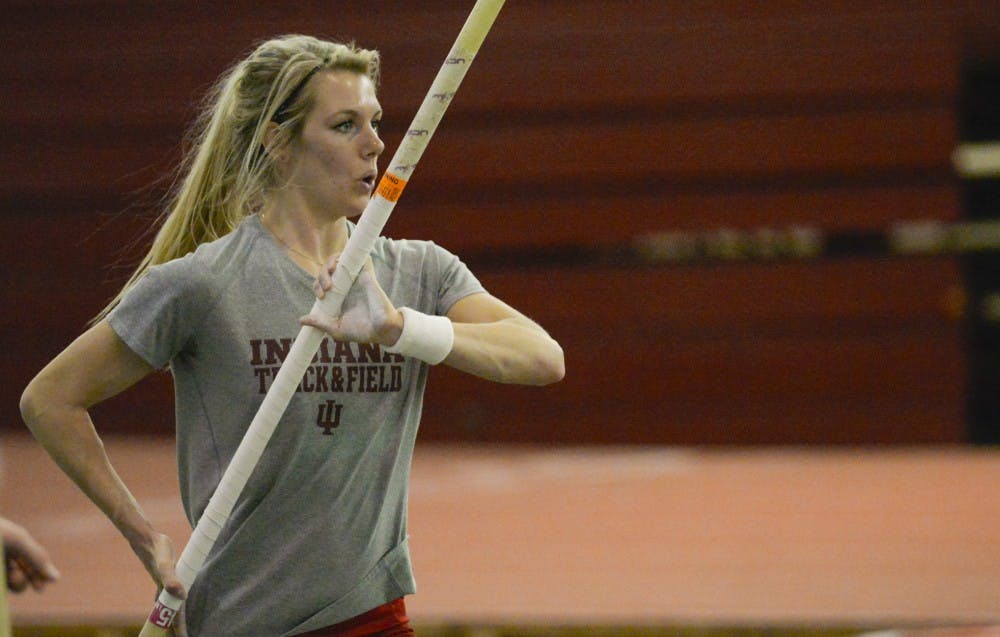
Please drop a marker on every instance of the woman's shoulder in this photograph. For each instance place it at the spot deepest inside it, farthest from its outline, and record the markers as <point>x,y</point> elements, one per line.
<point>410,248</point>
<point>418,257</point>
<point>208,265</point>
<point>213,255</point>
<point>239,242</point>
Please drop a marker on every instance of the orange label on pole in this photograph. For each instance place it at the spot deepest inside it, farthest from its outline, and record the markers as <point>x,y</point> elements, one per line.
<point>391,187</point>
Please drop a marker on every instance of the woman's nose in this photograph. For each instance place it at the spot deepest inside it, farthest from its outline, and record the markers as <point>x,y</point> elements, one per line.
<point>373,143</point>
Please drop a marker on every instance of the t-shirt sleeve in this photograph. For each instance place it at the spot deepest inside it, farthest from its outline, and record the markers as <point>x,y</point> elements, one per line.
<point>456,280</point>
<point>156,318</point>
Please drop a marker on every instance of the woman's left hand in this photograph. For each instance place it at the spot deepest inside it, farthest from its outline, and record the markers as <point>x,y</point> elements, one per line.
<point>368,316</point>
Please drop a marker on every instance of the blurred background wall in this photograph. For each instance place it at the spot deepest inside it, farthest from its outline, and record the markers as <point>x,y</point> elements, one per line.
<point>697,199</point>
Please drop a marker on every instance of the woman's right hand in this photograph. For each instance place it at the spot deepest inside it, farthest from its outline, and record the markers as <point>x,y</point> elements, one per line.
<point>157,555</point>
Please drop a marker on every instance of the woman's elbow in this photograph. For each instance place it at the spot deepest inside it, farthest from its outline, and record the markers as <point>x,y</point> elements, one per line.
<point>40,401</point>
<point>32,403</point>
<point>550,367</point>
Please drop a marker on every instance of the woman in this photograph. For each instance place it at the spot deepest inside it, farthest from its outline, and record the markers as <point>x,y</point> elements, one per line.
<point>284,154</point>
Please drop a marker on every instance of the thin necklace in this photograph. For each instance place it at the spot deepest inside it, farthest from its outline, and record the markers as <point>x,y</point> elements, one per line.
<point>288,247</point>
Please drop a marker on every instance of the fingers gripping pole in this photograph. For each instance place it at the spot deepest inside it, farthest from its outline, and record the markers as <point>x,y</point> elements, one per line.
<point>358,247</point>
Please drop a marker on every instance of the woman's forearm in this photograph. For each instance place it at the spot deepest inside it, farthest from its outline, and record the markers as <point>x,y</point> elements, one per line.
<point>67,434</point>
<point>511,350</point>
<point>55,404</point>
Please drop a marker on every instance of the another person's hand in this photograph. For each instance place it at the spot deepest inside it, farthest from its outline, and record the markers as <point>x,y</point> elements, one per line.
<point>27,561</point>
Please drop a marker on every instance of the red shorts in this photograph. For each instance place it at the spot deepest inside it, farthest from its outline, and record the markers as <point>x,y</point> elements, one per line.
<point>387,620</point>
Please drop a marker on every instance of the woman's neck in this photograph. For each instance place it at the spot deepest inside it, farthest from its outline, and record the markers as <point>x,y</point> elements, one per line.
<point>308,239</point>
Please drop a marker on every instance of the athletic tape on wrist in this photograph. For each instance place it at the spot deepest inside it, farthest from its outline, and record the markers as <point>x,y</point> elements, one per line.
<point>425,337</point>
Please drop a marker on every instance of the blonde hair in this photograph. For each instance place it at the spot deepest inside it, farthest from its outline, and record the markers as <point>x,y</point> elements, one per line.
<point>226,172</point>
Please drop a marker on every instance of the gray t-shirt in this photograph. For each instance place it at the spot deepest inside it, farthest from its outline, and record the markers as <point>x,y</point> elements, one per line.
<point>319,533</point>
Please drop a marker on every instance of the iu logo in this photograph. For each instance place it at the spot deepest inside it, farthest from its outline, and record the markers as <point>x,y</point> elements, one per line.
<point>328,416</point>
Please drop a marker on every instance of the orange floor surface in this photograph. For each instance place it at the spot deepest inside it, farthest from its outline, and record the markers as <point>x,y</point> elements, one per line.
<point>879,538</point>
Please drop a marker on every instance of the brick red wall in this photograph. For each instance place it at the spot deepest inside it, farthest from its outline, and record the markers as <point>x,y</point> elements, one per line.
<point>582,123</point>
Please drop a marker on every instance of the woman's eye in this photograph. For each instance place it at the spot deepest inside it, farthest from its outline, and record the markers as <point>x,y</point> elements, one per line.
<point>350,126</point>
